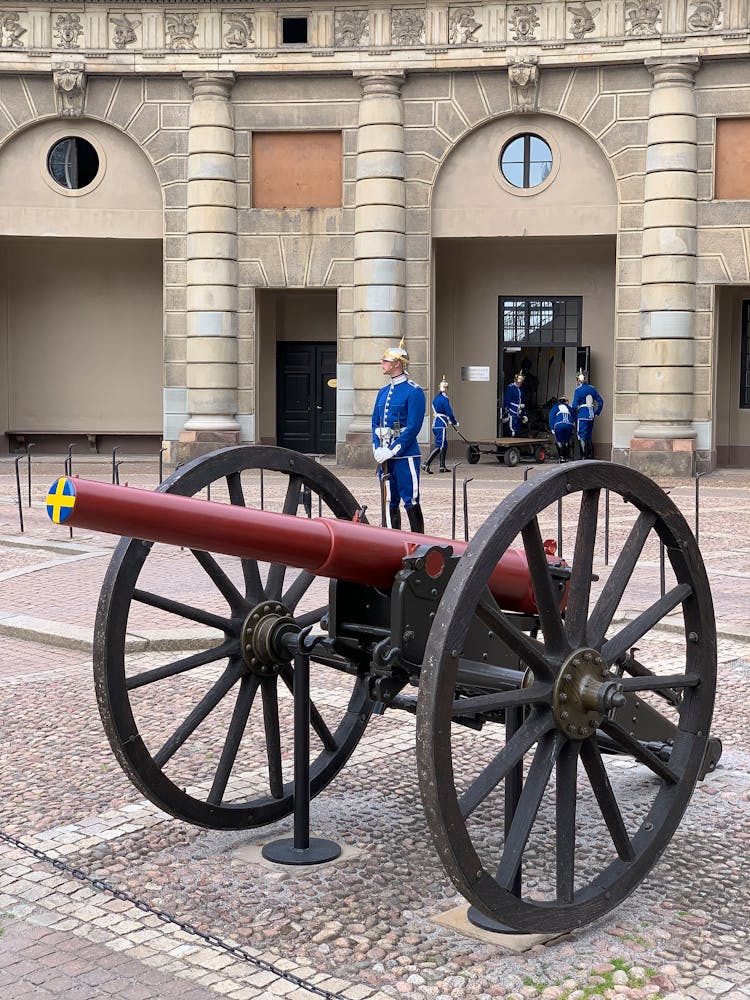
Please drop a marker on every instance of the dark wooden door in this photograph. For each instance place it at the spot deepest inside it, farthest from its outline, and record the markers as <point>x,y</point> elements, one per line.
<point>305,402</point>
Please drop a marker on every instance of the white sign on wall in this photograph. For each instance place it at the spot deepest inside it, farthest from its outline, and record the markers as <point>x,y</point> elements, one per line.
<point>475,373</point>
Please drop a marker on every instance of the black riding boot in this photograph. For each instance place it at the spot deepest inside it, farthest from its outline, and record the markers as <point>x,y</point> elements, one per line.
<point>395,517</point>
<point>443,453</point>
<point>416,519</point>
<point>430,459</point>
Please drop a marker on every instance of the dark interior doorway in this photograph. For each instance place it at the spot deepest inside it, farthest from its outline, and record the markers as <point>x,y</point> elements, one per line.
<point>305,401</point>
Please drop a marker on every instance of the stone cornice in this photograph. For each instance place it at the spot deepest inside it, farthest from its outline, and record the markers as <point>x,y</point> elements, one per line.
<point>366,36</point>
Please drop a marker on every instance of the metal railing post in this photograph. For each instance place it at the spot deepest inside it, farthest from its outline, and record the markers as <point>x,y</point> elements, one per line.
<point>453,508</point>
<point>28,471</point>
<point>18,490</point>
<point>69,460</point>
<point>606,527</point>
<point>115,467</point>
<point>466,507</point>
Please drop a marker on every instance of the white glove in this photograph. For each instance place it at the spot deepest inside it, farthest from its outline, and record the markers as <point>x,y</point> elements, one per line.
<point>382,455</point>
<point>524,420</point>
<point>457,424</point>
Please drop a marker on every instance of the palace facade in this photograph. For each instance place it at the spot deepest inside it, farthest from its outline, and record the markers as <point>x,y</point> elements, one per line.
<point>214,217</point>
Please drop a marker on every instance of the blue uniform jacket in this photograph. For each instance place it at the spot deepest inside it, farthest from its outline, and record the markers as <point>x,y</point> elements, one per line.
<point>584,390</point>
<point>561,415</point>
<point>399,415</point>
<point>442,412</point>
<point>513,400</point>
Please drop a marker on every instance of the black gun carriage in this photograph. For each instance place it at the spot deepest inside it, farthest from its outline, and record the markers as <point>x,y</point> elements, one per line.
<point>526,682</point>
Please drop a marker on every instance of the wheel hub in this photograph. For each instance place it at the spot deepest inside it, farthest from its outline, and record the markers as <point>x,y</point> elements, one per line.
<point>584,693</point>
<point>261,635</point>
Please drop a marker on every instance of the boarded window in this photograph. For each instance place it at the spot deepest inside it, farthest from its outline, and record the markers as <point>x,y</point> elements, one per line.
<point>732,158</point>
<point>297,169</point>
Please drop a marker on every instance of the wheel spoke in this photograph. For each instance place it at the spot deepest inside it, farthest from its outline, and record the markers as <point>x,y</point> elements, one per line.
<point>240,715</point>
<point>311,617</point>
<point>483,703</point>
<point>276,572</point>
<point>181,666</point>
<point>636,749</point>
<point>614,588</point>
<point>250,570</point>
<point>546,595</point>
<point>224,585</point>
<point>182,610</point>
<point>202,710</point>
<point>532,730</point>
<point>659,682</point>
<point>297,590</point>
<point>528,806</point>
<point>579,590</point>
<point>605,796</point>
<point>565,819</point>
<point>273,737</point>
<point>529,650</point>
<point>616,648</point>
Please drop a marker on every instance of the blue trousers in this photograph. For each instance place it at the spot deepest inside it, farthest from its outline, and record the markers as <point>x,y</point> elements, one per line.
<point>402,485</point>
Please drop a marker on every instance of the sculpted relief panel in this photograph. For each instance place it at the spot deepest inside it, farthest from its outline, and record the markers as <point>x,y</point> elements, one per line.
<point>157,30</point>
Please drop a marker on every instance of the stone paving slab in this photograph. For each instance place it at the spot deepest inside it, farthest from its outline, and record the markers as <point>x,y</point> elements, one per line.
<point>365,927</point>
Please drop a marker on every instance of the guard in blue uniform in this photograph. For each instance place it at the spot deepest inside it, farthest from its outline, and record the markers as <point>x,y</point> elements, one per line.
<point>514,406</point>
<point>587,405</point>
<point>396,421</point>
<point>561,425</point>
<point>442,416</point>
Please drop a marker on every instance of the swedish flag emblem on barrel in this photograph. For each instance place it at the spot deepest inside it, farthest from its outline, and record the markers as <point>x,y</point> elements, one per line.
<point>61,500</point>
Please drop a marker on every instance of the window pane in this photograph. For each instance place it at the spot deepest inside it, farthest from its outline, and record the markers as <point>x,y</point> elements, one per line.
<point>513,152</point>
<point>513,173</point>
<point>538,172</point>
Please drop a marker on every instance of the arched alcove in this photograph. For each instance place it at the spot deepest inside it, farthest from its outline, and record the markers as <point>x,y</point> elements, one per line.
<point>81,285</point>
<point>499,248</point>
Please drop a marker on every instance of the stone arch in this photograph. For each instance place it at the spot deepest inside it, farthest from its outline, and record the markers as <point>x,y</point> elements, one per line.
<point>81,288</point>
<point>470,198</point>
<point>493,242</point>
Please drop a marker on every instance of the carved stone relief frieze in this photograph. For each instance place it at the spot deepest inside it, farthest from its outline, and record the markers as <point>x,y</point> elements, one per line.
<point>523,77</point>
<point>705,16</point>
<point>239,30</point>
<point>463,28</point>
<point>408,27</point>
<point>69,80</point>
<point>523,20</point>
<point>351,28</point>
<point>642,17</point>
<point>11,31</point>
<point>124,30</point>
<point>181,30</point>
<point>67,30</point>
<point>582,19</point>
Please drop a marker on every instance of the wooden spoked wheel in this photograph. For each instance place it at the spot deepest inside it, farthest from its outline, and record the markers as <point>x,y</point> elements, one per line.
<point>536,826</point>
<point>202,728</point>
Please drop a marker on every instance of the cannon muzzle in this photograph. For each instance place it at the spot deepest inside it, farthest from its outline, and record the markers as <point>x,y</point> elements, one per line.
<point>337,549</point>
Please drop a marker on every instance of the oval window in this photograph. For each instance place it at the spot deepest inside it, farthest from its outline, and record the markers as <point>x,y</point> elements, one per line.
<point>526,161</point>
<point>73,162</point>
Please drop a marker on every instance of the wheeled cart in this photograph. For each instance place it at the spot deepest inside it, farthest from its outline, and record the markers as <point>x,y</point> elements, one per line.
<point>509,450</point>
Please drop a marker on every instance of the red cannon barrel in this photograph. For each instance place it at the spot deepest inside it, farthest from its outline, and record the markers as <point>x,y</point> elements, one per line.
<point>342,550</point>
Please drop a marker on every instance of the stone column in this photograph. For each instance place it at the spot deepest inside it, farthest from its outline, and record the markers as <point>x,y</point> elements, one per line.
<point>379,246</point>
<point>212,270</point>
<point>664,440</point>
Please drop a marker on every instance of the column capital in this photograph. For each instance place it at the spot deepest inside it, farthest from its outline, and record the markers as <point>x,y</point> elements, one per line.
<point>678,71</point>
<point>210,85</point>
<point>380,84</point>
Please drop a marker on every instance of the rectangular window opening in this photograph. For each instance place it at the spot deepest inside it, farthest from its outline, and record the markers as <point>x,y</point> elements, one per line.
<point>294,30</point>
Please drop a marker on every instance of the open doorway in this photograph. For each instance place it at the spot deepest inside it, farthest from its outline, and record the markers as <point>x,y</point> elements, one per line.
<point>540,338</point>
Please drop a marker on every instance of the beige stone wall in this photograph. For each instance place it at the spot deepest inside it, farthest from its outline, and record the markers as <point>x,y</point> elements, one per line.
<point>83,363</point>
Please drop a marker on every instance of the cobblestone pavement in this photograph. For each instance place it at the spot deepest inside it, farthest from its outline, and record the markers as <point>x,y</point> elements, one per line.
<point>372,924</point>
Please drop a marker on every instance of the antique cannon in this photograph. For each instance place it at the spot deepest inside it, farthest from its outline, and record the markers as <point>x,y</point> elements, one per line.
<point>529,693</point>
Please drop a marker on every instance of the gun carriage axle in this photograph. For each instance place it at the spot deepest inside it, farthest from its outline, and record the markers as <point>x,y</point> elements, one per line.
<point>527,682</point>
